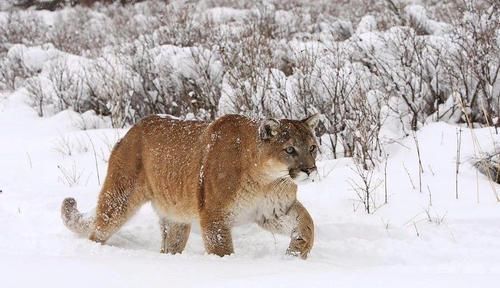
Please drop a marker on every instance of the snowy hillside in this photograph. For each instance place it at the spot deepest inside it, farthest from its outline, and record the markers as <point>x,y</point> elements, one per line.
<point>407,242</point>
<point>409,97</point>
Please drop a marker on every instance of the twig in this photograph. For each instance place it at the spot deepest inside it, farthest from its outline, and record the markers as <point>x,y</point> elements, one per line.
<point>409,176</point>
<point>459,144</point>
<point>420,167</point>
<point>416,229</point>
<point>385,179</point>
<point>430,195</point>
<point>29,160</point>
<point>95,159</point>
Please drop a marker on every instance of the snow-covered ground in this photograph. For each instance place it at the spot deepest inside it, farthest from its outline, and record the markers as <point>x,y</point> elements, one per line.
<point>405,243</point>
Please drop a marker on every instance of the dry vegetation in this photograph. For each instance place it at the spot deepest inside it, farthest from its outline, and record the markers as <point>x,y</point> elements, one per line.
<point>365,65</point>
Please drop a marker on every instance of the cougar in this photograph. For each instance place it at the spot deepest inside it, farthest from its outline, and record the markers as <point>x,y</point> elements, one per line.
<point>229,172</point>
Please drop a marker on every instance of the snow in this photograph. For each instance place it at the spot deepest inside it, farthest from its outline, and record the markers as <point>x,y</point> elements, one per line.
<point>33,58</point>
<point>187,62</point>
<point>226,14</point>
<point>419,15</point>
<point>423,236</point>
<point>367,24</point>
<point>405,243</point>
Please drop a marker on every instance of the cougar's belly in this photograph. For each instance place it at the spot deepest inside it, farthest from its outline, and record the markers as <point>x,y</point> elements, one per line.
<point>175,195</point>
<point>175,212</point>
<point>175,206</point>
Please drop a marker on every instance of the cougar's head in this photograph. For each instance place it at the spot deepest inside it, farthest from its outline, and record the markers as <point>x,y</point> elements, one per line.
<point>290,148</point>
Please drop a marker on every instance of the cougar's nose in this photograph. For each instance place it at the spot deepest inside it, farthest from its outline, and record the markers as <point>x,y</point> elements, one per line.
<point>309,170</point>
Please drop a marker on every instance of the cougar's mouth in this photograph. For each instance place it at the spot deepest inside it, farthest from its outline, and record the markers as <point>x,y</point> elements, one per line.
<point>300,176</point>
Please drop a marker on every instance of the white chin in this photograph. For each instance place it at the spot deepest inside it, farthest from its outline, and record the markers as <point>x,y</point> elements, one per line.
<point>303,178</point>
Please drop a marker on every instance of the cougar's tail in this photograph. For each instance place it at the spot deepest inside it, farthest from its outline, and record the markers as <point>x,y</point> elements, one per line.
<point>74,220</point>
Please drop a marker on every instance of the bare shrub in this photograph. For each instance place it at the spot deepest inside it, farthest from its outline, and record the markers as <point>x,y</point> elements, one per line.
<point>38,100</point>
<point>70,176</point>
<point>68,87</point>
<point>473,66</point>
<point>13,72</point>
<point>111,89</point>
<point>68,35</point>
<point>365,186</point>
<point>489,165</point>
<point>399,70</point>
<point>402,69</point>
<point>182,28</point>
<point>22,27</point>
<point>248,59</point>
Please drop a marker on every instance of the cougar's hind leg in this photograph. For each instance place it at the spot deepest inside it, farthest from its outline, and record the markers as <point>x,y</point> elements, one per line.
<point>174,236</point>
<point>115,206</point>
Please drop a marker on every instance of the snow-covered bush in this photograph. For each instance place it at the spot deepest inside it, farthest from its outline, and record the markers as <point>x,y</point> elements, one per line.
<point>374,70</point>
<point>22,27</point>
<point>81,32</point>
<point>473,65</point>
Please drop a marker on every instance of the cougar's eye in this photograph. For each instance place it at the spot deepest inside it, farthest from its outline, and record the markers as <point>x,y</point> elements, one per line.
<point>313,148</point>
<point>290,150</point>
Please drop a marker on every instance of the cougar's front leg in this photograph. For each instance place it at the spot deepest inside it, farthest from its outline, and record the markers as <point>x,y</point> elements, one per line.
<point>302,236</point>
<point>216,233</point>
<point>298,224</point>
<point>174,236</point>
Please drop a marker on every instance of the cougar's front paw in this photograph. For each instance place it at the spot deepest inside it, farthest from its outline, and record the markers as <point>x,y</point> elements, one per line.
<point>300,245</point>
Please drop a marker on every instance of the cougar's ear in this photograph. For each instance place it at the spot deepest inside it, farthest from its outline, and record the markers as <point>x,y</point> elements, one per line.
<point>268,128</point>
<point>312,121</point>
